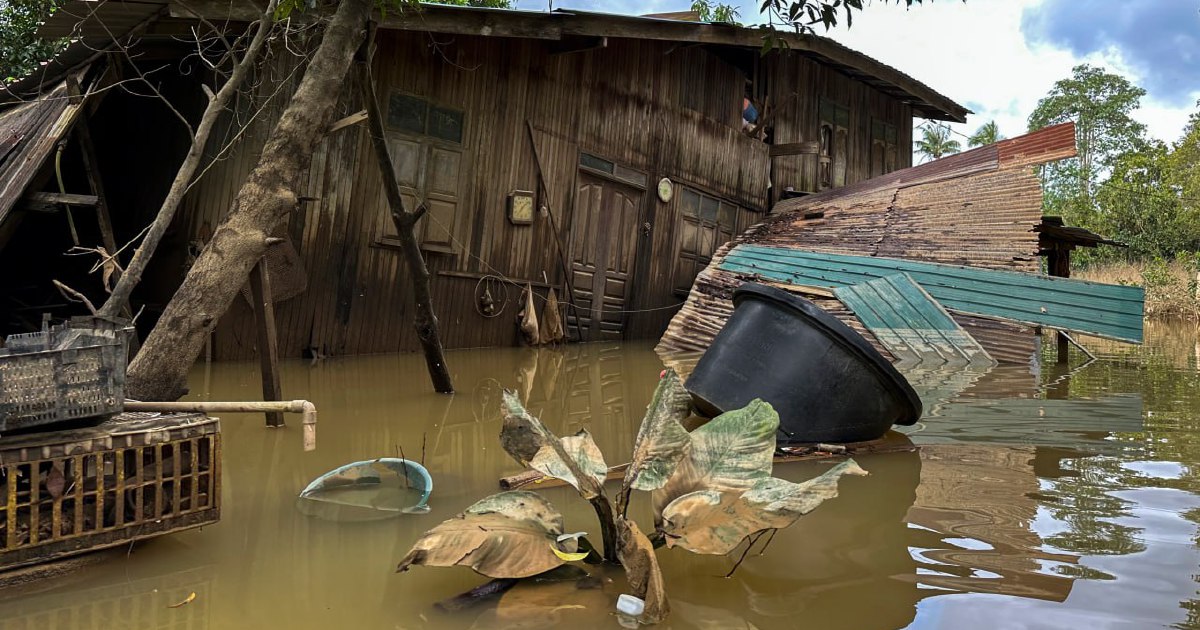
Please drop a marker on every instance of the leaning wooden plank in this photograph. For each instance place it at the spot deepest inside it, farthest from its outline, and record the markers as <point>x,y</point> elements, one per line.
<point>1109,311</point>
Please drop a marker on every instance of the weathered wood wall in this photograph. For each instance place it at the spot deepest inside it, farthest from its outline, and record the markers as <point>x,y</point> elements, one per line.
<point>797,84</point>
<point>527,116</point>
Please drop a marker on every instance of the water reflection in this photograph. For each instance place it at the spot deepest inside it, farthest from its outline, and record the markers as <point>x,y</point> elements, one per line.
<point>1038,498</point>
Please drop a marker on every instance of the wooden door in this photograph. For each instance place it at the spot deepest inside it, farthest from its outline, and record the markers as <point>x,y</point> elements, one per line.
<point>604,234</point>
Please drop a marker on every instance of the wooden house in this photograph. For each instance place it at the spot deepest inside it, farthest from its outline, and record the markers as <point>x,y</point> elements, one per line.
<point>605,156</point>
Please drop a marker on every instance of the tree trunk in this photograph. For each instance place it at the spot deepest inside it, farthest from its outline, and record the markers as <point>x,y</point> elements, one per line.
<point>269,194</point>
<point>424,320</point>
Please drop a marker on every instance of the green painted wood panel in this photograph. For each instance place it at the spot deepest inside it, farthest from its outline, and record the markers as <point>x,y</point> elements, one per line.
<point>1104,310</point>
<point>910,324</point>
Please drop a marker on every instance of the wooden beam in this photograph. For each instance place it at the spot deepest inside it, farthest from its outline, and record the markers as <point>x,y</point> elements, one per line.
<point>53,202</point>
<point>268,344</point>
<point>557,25</point>
<point>352,119</point>
<point>795,148</point>
<point>574,44</point>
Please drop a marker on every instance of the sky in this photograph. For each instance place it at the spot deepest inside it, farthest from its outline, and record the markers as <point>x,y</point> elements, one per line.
<point>999,57</point>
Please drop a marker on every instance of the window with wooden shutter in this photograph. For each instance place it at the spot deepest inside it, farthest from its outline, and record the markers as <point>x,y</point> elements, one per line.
<point>834,140</point>
<point>425,142</point>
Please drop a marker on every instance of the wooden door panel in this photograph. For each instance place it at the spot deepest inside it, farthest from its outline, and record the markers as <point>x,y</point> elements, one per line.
<point>603,246</point>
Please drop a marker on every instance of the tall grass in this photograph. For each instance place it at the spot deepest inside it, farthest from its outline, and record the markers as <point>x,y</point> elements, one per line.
<point>1172,287</point>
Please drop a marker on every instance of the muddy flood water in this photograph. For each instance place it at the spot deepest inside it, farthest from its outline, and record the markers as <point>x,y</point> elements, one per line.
<point>1051,498</point>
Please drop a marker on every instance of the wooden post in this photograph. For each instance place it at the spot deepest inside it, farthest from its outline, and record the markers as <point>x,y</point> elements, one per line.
<point>1060,266</point>
<point>425,321</point>
<point>268,345</point>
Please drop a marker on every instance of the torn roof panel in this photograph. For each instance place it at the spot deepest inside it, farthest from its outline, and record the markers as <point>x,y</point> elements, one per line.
<point>28,134</point>
<point>1104,310</point>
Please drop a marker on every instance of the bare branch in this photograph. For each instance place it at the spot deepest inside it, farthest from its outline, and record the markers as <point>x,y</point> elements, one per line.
<point>183,179</point>
<point>74,296</point>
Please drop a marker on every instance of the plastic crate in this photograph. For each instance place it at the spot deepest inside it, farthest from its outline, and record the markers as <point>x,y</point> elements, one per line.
<point>134,476</point>
<point>65,372</point>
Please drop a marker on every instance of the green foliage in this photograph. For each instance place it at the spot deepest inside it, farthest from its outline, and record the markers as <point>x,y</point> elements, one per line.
<point>1101,105</point>
<point>803,15</point>
<point>1140,192</point>
<point>1141,203</point>
<point>20,48</point>
<point>718,12</point>
<point>988,133</point>
<point>936,142</point>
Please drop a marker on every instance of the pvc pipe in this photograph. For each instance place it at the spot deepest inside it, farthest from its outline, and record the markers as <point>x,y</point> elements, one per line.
<point>307,410</point>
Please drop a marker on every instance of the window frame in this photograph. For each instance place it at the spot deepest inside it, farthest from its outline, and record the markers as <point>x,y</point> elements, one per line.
<point>427,145</point>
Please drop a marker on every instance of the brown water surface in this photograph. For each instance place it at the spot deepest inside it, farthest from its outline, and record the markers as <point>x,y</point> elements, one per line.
<point>1065,497</point>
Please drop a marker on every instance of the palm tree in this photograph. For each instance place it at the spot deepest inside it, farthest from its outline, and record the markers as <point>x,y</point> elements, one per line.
<point>935,142</point>
<point>987,133</point>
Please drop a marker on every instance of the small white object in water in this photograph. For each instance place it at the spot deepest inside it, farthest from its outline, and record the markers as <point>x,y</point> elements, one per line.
<point>630,605</point>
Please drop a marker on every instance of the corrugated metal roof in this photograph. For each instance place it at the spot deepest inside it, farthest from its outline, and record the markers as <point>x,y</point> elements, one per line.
<point>910,323</point>
<point>1038,147</point>
<point>1104,310</point>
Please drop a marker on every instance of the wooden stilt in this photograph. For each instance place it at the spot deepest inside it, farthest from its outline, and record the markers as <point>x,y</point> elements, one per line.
<point>1059,264</point>
<point>268,346</point>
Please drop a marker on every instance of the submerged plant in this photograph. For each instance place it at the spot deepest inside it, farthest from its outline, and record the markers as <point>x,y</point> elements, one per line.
<point>711,490</point>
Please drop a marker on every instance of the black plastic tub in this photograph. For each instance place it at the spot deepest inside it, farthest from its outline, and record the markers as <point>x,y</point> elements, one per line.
<point>826,381</point>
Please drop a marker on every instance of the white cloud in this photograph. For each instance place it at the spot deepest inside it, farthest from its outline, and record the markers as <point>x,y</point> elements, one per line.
<point>975,53</point>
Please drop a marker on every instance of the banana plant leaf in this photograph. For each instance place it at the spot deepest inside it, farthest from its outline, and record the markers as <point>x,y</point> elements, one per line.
<point>716,522</point>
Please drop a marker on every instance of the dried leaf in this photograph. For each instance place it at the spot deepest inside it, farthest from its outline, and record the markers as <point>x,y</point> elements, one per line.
<point>641,568</point>
<point>506,535</point>
<point>716,522</point>
<point>661,441</point>
<point>730,453</point>
<point>579,447</point>
<point>187,600</point>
